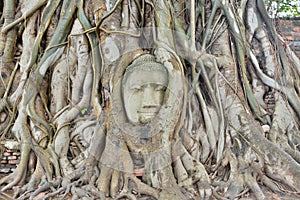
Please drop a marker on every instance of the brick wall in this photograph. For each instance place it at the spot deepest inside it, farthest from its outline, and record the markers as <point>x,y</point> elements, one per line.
<point>10,156</point>
<point>289,29</point>
<point>9,161</point>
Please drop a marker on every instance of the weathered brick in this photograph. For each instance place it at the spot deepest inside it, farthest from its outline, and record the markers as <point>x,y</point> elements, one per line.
<point>12,157</point>
<point>6,154</point>
<point>285,22</point>
<point>296,43</point>
<point>295,34</point>
<point>296,29</point>
<point>290,38</point>
<point>296,22</point>
<point>13,162</point>
<point>5,170</point>
<point>3,161</point>
<point>290,31</point>
<point>16,153</point>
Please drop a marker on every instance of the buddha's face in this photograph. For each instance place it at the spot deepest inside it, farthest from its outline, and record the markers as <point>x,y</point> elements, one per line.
<point>143,94</point>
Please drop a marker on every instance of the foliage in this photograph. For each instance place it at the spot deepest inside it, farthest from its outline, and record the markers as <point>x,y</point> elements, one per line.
<point>283,8</point>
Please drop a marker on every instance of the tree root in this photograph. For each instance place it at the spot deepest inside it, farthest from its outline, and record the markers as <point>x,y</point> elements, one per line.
<point>66,186</point>
<point>270,184</point>
<point>20,172</point>
<point>34,180</point>
<point>253,185</point>
<point>52,194</point>
<point>46,186</point>
<point>103,182</point>
<point>116,184</point>
<point>272,161</point>
<point>128,196</point>
<point>5,196</point>
<point>189,171</point>
<point>94,191</point>
<point>142,188</point>
<point>218,196</point>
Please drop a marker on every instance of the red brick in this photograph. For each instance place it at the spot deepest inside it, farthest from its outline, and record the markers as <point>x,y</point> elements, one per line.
<point>16,153</point>
<point>12,157</point>
<point>6,154</point>
<point>13,162</point>
<point>3,161</point>
<point>296,29</point>
<point>288,38</point>
<point>295,34</point>
<point>285,22</point>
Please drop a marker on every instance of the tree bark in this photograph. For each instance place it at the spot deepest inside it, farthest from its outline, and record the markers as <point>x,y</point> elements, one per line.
<point>227,127</point>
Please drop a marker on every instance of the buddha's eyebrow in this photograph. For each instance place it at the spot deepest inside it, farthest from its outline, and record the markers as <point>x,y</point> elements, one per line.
<point>135,86</point>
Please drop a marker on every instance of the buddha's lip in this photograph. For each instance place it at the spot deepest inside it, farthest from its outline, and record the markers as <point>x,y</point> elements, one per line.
<point>147,112</point>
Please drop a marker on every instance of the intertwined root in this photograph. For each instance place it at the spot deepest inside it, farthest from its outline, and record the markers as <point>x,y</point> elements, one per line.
<point>190,173</point>
<point>122,184</point>
<point>19,174</point>
<point>237,155</point>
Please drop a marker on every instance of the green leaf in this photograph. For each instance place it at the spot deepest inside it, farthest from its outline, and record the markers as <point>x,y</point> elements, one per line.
<point>83,111</point>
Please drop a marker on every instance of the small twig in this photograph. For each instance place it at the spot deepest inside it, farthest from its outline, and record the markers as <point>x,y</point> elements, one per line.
<point>119,32</point>
<point>285,190</point>
<point>12,76</point>
<point>10,123</point>
<point>57,45</point>
<point>242,193</point>
<point>46,186</point>
<point>208,30</point>
<point>60,112</point>
<point>126,196</point>
<point>52,194</point>
<point>217,196</point>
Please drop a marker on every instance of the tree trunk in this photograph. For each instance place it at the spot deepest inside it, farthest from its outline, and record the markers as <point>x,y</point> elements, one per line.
<point>159,99</point>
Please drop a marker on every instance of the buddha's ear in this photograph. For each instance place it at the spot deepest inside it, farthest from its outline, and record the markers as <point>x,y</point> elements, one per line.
<point>176,93</point>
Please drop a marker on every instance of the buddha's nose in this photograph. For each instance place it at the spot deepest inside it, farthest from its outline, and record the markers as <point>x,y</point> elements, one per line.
<point>149,98</point>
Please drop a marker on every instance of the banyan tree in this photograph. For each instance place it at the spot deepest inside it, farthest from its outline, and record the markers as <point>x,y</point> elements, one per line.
<point>161,99</point>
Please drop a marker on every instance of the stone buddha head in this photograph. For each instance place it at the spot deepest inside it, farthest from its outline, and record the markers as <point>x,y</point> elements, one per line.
<point>143,89</point>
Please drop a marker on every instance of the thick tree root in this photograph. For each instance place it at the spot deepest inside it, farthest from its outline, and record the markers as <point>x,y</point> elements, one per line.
<point>35,178</point>
<point>210,119</point>
<point>116,184</point>
<point>189,171</point>
<point>20,172</point>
